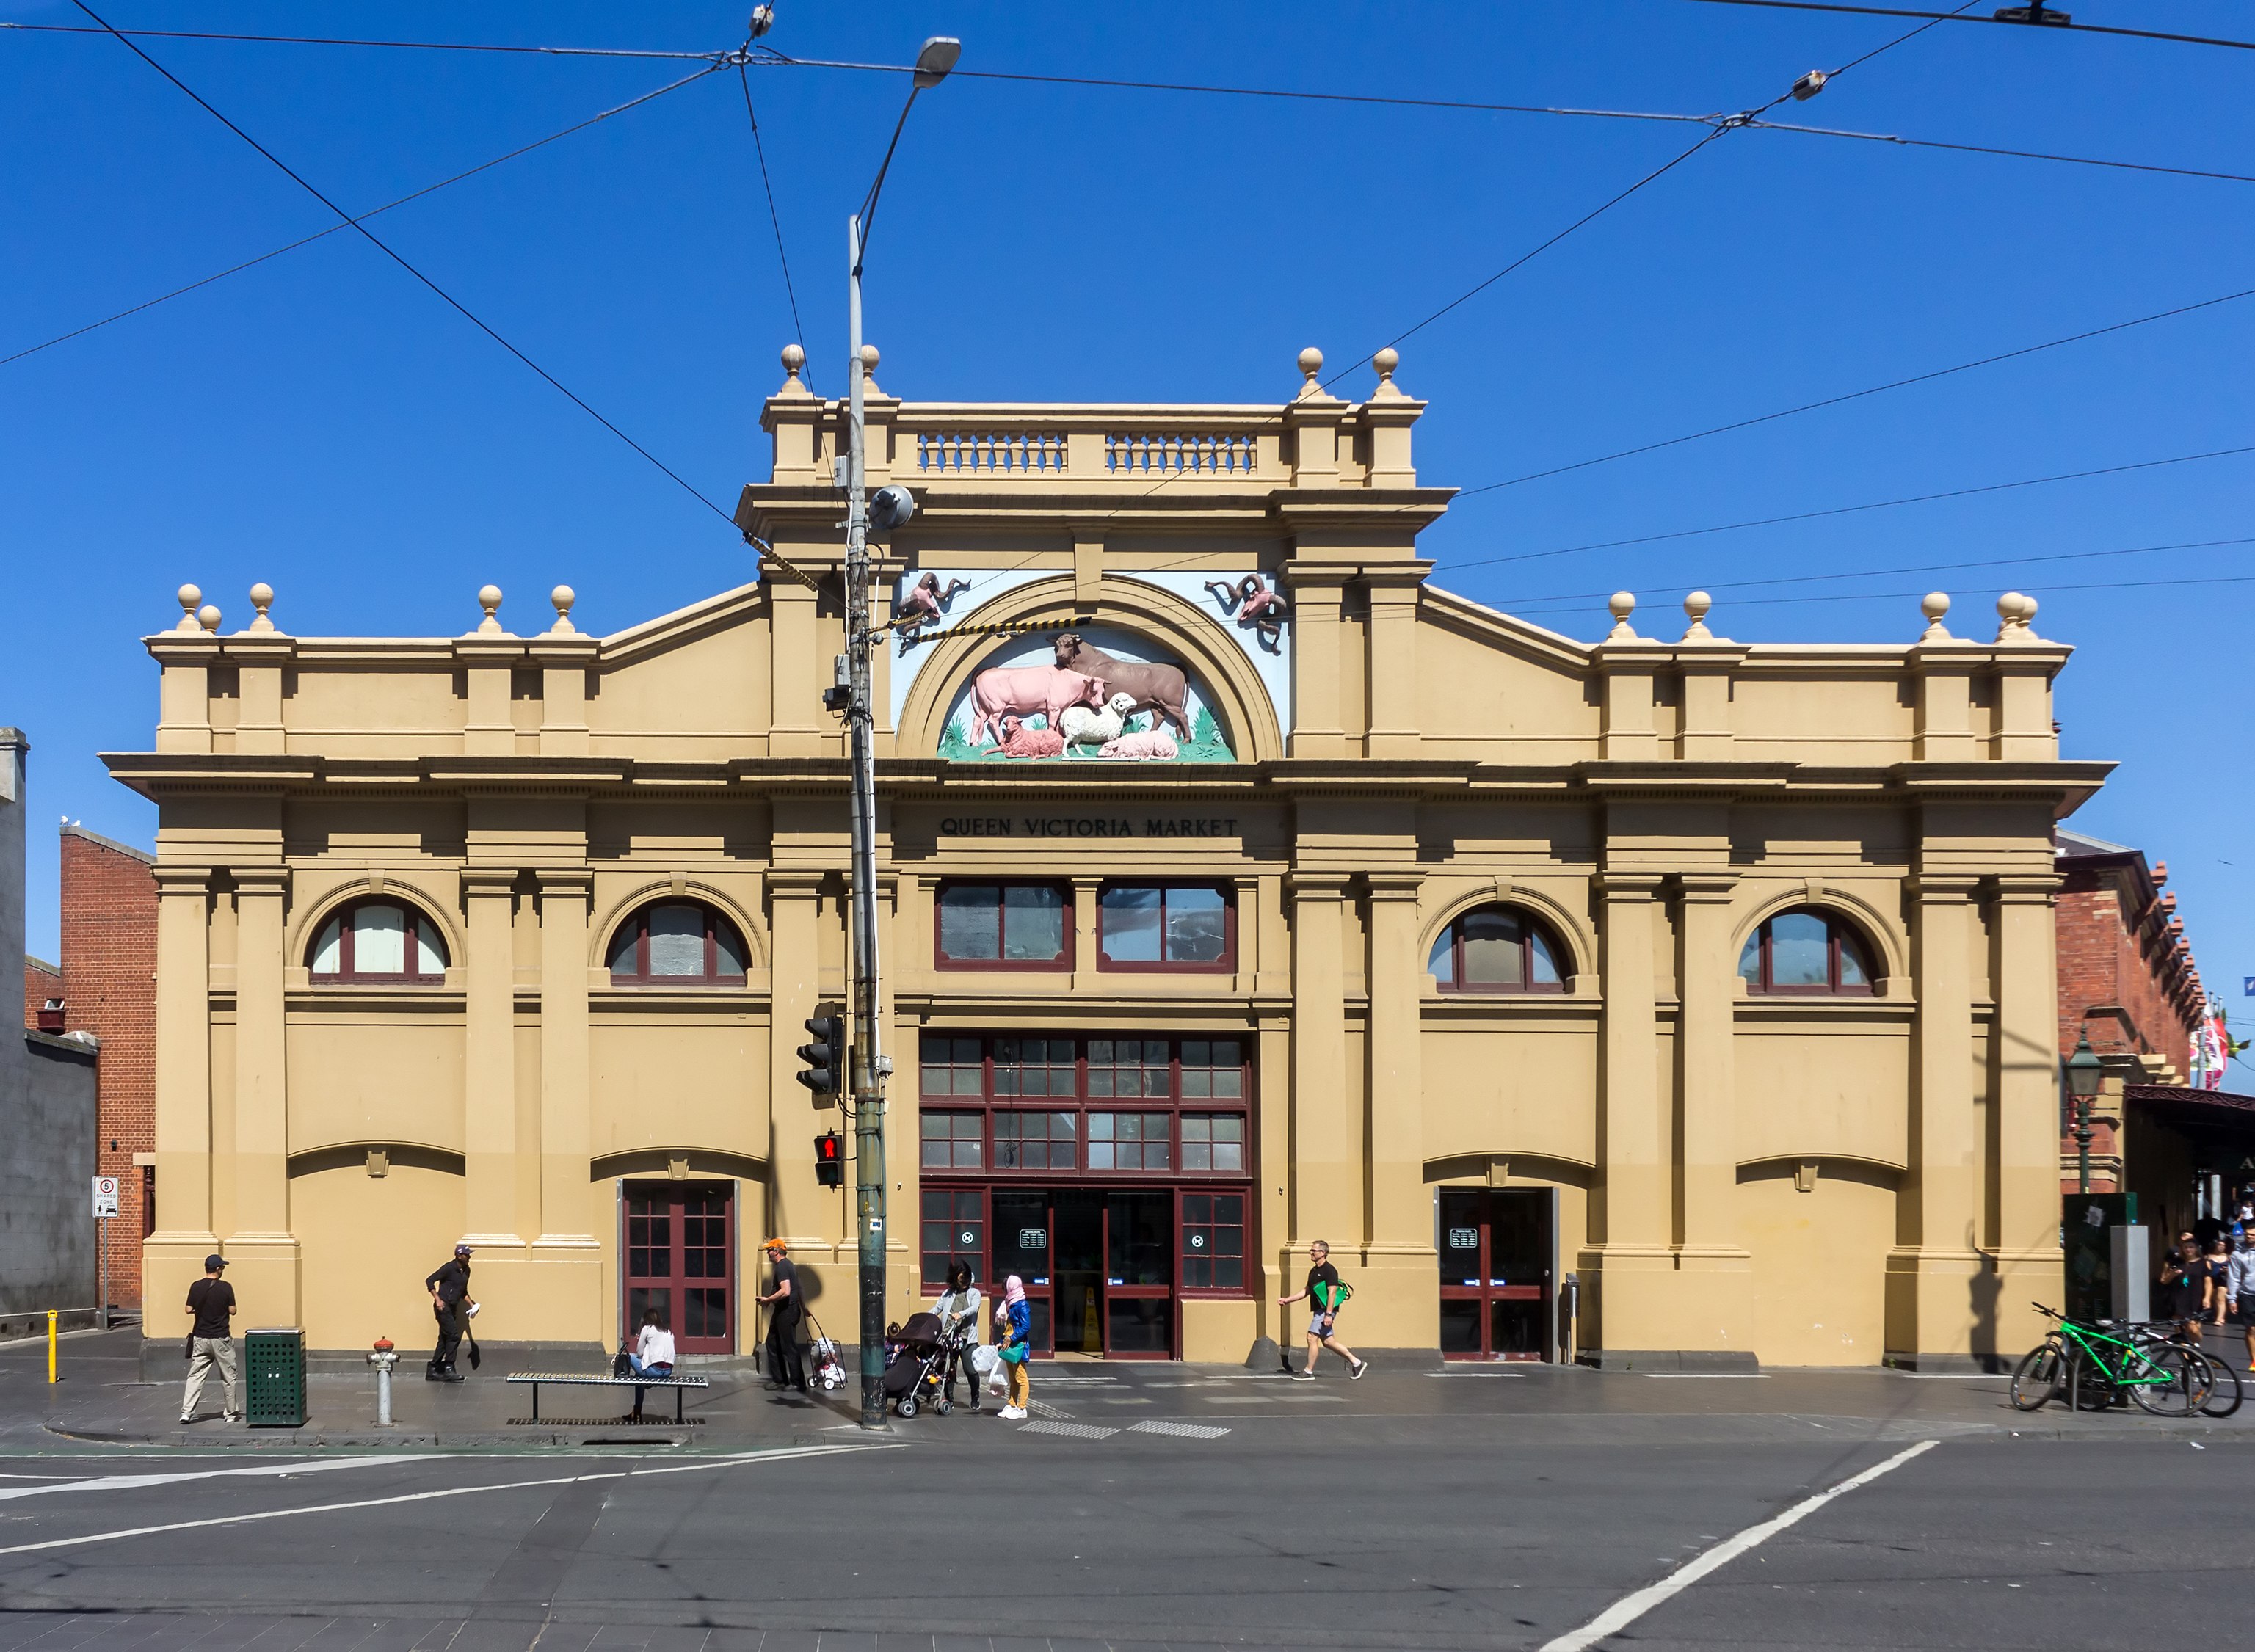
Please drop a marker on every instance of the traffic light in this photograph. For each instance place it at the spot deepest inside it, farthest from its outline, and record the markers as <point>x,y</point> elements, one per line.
<point>830,1159</point>
<point>825,1056</point>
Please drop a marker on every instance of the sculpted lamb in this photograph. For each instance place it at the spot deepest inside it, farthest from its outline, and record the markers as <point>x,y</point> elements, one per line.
<point>1157,744</point>
<point>1081,726</point>
<point>1018,740</point>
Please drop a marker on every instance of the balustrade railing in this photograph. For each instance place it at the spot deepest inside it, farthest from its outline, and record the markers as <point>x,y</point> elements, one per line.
<point>1177,453</point>
<point>1002,452</point>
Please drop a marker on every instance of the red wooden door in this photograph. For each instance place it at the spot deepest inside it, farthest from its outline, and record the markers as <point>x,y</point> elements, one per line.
<point>680,1260</point>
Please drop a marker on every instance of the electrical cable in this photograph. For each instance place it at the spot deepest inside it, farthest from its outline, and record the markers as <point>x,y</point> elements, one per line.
<point>1848,510</point>
<point>2011,154</point>
<point>781,257</point>
<point>385,248</point>
<point>2062,26</point>
<point>1853,396</point>
<point>321,235</point>
<point>1915,568</point>
<point>1899,596</point>
<point>317,39</point>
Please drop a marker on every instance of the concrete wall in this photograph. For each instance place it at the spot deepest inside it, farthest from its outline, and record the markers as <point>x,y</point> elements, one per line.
<point>46,1114</point>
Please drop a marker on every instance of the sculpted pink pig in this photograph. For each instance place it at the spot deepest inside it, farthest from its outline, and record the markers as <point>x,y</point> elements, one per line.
<point>1024,689</point>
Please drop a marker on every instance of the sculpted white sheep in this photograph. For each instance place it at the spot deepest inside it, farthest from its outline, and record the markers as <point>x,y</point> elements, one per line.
<point>1081,726</point>
<point>1155,743</point>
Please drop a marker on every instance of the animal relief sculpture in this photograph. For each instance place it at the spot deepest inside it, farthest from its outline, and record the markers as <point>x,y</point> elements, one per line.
<point>1254,604</point>
<point>926,603</point>
<point>1025,689</point>
<point>1162,689</point>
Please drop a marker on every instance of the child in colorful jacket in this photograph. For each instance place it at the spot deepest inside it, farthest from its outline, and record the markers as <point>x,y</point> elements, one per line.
<point>1015,1319</point>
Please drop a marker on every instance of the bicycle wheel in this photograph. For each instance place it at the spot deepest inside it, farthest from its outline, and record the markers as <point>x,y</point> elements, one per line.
<point>2223,1399</point>
<point>2168,1379</point>
<point>2039,1378</point>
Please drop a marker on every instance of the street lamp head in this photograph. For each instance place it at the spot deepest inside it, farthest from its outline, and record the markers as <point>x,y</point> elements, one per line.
<point>935,58</point>
<point>2084,1070</point>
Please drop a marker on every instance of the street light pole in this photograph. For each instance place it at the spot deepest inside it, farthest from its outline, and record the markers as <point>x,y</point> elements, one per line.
<point>2084,1071</point>
<point>870,1065</point>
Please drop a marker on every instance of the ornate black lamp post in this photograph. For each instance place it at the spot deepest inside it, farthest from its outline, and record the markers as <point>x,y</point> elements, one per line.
<point>2083,1072</point>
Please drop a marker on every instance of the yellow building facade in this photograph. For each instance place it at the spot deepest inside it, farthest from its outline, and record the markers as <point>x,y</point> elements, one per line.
<point>1669,1002</point>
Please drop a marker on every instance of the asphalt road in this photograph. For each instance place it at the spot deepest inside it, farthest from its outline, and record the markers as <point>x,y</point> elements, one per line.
<point>1297,1527</point>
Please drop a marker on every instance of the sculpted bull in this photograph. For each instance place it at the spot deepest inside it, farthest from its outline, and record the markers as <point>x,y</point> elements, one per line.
<point>1022,690</point>
<point>1160,689</point>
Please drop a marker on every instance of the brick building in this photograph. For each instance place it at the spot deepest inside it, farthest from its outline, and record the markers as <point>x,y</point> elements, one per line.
<point>2128,982</point>
<point>107,984</point>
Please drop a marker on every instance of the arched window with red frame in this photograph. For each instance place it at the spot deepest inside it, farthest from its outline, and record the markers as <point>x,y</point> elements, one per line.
<point>1808,952</point>
<point>677,944</point>
<point>377,941</point>
<point>1497,949</point>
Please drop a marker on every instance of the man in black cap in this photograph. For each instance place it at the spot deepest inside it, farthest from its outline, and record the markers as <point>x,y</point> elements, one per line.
<point>452,1304</point>
<point>211,1301</point>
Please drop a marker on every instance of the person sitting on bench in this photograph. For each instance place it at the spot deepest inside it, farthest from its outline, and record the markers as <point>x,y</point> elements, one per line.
<point>652,1356</point>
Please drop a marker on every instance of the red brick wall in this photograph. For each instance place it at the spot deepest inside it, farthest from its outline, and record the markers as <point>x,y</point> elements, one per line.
<point>109,987</point>
<point>2112,953</point>
<point>41,982</point>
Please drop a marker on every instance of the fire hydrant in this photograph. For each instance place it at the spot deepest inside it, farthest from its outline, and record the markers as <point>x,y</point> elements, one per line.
<point>384,1359</point>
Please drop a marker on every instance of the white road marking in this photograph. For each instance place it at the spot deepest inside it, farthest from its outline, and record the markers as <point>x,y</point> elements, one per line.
<point>1474,1371</point>
<point>1629,1608</point>
<point>427,1496</point>
<point>1077,1431</point>
<point>137,1482</point>
<point>1186,1430</point>
<point>1714,1376</point>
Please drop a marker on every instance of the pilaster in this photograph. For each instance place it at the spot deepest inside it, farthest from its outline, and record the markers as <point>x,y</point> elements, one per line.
<point>1718,1268</point>
<point>800,1208</point>
<point>173,1257</point>
<point>262,1254</point>
<point>2024,1156</point>
<point>489,1142</point>
<point>1316,594</point>
<point>1392,671</point>
<point>564,1110</point>
<point>1400,1239</point>
<point>1326,1156</point>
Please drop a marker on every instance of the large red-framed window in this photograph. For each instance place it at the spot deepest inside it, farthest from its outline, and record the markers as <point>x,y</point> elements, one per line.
<point>1173,927</point>
<point>1002,927</point>
<point>680,1260</point>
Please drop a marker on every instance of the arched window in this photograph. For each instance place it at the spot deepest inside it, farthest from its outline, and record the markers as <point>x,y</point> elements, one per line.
<point>1806,951</point>
<point>1497,949</point>
<point>378,941</point>
<point>677,944</point>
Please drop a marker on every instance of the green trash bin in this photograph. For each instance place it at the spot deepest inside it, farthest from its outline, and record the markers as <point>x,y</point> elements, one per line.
<point>274,1377</point>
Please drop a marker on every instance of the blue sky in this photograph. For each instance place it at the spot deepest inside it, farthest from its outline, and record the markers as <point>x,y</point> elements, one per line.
<point>325,424</point>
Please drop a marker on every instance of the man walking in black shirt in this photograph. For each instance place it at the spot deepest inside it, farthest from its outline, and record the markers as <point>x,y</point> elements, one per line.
<point>785,1368</point>
<point>1325,1296</point>
<point>211,1300</point>
<point>452,1304</point>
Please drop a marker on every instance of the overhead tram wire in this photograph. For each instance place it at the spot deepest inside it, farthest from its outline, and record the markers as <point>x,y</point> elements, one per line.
<point>2045,25</point>
<point>321,235</point>
<point>1915,568</point>
<point>774,218</point>
<point>396,45</point>
<point>1850,510</point>
<point>1855,395</point>
<point>385,248</point>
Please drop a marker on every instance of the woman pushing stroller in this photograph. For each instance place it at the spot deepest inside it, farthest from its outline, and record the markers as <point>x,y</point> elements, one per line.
<point>958,1328</point>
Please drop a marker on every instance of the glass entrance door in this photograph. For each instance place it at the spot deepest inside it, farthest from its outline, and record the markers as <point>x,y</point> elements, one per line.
<point>1077,1277</point>
<point>1495,1273</point>
<point>1139,1275</point>
<point>1021,1246</point>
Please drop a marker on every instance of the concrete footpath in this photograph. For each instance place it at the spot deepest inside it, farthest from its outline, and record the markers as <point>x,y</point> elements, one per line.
<point>104,1403</point>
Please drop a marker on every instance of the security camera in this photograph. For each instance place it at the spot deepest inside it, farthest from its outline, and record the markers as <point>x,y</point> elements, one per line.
<point>890,508</point>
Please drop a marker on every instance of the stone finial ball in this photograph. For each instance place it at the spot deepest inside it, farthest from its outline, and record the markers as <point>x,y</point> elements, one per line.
<point>190,596</point>
<point>2016,608</point>
<point>1695,606</point>
<point>869,358</point>
<point>488,598</point>
<point>261,595</point>
<point>1621,604</point>
<point>562,597</point>
<point>793,359</point>
<point>1934,604</point>
<point>207,617</point>
<point>1386,361</point>
<point>1311,360</point>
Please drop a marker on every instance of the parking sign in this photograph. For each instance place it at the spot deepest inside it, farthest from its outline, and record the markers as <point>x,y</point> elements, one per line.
<point>105,1195</point>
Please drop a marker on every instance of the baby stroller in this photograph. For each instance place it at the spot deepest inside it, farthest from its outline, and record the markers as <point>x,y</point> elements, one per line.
<point>829,1368</point>
<point>915,1358</point>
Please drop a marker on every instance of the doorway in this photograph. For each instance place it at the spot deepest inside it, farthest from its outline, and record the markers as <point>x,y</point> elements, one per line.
<point>1497,1271</point>
<point>1099,1268</point>
<point>680,1254</point>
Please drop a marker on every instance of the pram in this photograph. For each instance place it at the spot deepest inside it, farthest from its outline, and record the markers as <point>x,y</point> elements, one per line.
<point>828,1366</point>
<point>915,1359</point>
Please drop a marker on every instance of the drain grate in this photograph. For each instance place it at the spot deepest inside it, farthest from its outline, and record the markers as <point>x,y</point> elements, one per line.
<point>1183,1430</point>
<point>1076,1431</point>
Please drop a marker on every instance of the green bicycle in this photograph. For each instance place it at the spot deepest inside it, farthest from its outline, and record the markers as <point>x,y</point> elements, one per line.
<point>2090,1363</point>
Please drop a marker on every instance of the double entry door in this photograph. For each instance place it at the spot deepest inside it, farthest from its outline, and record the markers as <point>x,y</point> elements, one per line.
<point>1498,1265</point>
<point>1098,1266</point>
<point>680,1256</point>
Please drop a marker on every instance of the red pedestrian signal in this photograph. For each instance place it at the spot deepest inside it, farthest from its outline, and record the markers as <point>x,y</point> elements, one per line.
<point>830,1159</point>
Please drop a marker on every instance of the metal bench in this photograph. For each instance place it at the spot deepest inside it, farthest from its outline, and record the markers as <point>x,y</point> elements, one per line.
<point>586,1379</point>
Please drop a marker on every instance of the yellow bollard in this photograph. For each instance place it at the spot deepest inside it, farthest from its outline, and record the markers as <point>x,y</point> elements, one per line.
<point>54,1337</point>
